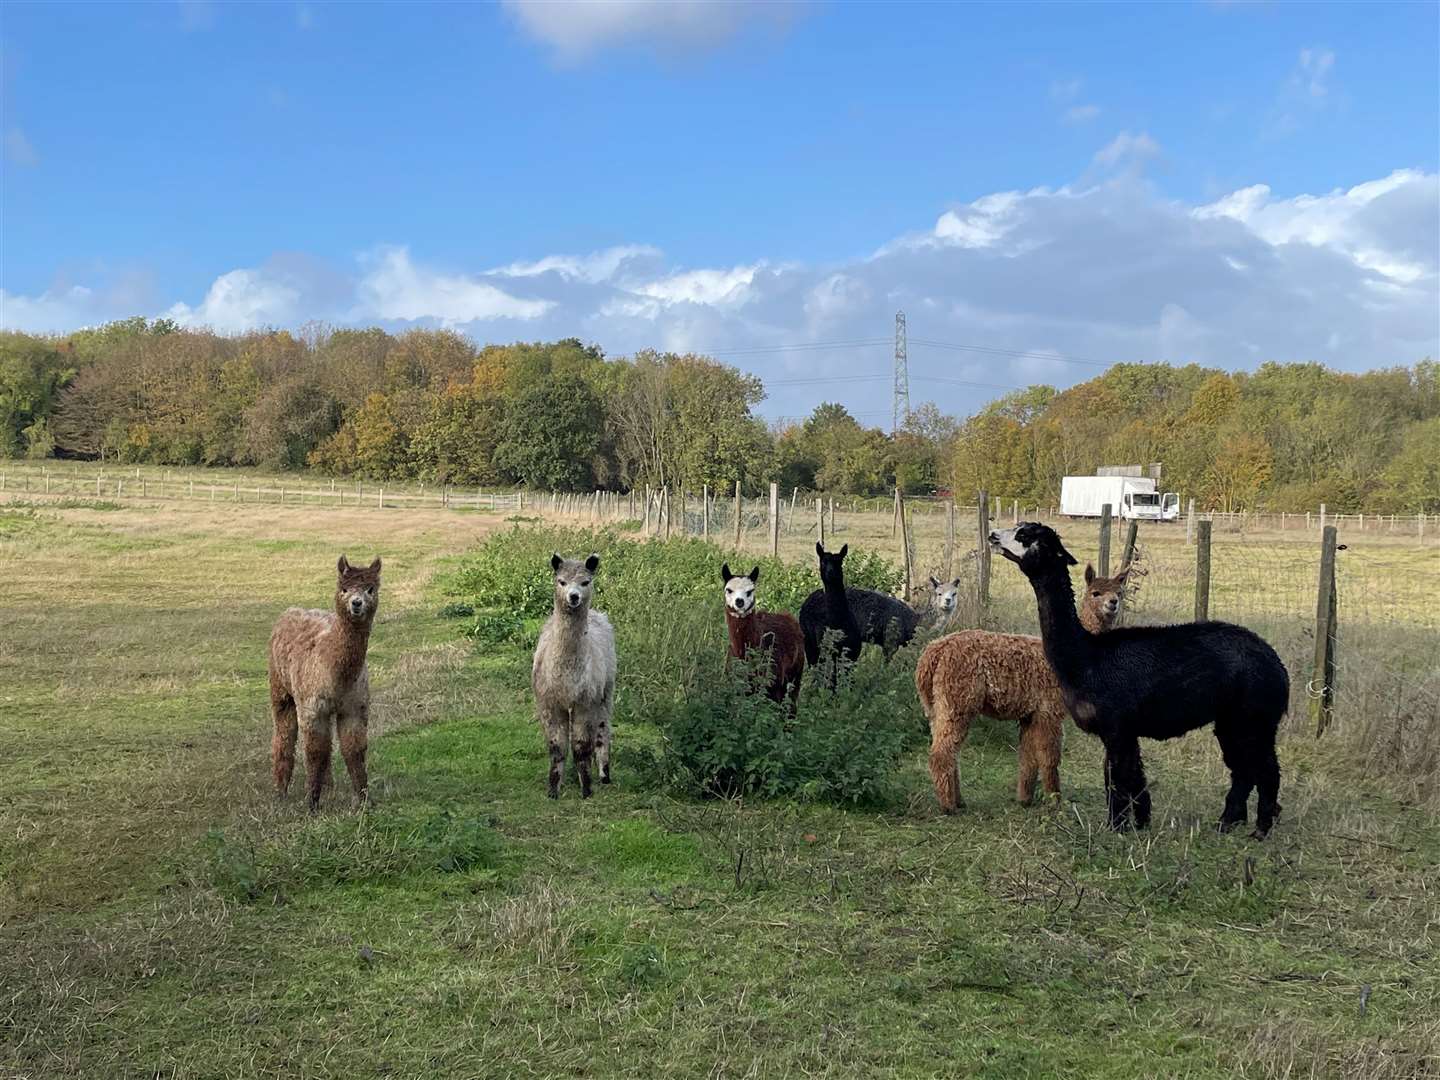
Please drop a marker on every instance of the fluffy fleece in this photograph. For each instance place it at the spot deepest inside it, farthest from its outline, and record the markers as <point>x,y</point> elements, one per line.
<point>573,676</point>
<point>974,672</point>
<point>318,678</point>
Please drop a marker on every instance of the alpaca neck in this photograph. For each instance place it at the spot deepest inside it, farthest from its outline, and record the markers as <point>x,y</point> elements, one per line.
<point>741,631</point>
<point>1066,641</point>
<point>351,642</point>
<point>571,624</point>
<point>837,605</point>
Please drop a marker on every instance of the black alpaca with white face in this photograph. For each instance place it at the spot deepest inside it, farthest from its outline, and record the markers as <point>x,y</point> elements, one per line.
<point>1158,682</point>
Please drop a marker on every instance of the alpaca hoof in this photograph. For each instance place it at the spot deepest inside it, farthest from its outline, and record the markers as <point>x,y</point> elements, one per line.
<point>553,793</point>
<point>1258,833</point>
<point>605,775</point>
<point>1228,825</point>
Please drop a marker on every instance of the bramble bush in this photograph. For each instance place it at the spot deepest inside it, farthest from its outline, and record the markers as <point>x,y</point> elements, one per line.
<point>665,602</point>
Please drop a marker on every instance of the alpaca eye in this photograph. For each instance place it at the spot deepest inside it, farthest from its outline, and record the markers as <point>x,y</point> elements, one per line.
<point>562,581</point>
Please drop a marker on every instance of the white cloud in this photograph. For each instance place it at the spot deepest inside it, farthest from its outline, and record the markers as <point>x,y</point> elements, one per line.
<point>1306,93</point>
<point>576,28</point>
<point>1360,221</point>
<point>1082,114</point>
<point>394,288</point>
<point>597,266</point>
<point>1127,150</point>
<point>1312,73</point>
<point>243,300</point>
<point>19,150</point>
<point>1110,271</point>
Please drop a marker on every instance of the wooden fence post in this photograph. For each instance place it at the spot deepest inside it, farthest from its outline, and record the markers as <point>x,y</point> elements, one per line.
<point>737,515</point>
<point>904,546</point>
<point>705,511</point>
<point>982,557</point>
<point>831,503</point>
<point>1322,683</point>
<point>1104,557</point>
<point>895,520</point>
<point>774,521</point>
<point>665,508</point>
<point>1322,517</point>
<point>790,521</point>
<point>1202,571</point>
<point>1190,524</point>
<point>820,520</point>
<point>950,538</point>
<point>1131,535</point>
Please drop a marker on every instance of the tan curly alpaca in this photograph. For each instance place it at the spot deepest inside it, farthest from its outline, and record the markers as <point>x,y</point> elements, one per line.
<point>962,676</point>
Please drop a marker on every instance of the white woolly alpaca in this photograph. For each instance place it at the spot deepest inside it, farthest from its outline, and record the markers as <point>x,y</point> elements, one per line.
<point>574,676</point>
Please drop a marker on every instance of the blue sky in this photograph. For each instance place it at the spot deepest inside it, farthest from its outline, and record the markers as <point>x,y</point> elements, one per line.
<point>1073,178</point>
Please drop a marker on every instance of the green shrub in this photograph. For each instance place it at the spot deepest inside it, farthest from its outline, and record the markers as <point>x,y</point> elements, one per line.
<point>721,738</point>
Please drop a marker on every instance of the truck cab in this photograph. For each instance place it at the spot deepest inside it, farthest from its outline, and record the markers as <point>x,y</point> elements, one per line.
<point>1150,506</point>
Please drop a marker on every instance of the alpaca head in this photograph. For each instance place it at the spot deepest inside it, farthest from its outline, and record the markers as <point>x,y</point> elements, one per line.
<point>574,581</point>
<point>944,595</point>
<point>357,590</point>
<point>739,590</point>
<point>1035,548</point>
<point>1104,595</point>
<point>831,570</point>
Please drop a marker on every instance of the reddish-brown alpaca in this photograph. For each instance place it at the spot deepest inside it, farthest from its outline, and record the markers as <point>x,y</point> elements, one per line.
<point>318,678</point>
<point>777,631</point>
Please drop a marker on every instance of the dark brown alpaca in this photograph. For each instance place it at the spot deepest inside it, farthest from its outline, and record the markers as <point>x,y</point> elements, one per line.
<point>777,631</point>
<point>318,677</point>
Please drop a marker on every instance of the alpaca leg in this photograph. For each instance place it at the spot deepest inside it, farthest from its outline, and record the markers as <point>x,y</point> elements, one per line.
<point>353,730</point>
<point>1125,784</point>
<point>602,743</point>
<point>557,738</point>
<point>948,731</point>
<point>1047,735</point>
<point>582,745</point>
<point>1029,762</point>
<point>316,729</point>
<point>1239,759</point>
<point>1267,779</point>
<point>282,744</point>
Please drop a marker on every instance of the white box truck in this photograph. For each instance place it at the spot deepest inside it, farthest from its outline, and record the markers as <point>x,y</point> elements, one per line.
<point>1129,497</point>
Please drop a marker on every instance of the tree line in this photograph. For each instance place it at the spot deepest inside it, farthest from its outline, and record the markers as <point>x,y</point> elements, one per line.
<point>430,404</point>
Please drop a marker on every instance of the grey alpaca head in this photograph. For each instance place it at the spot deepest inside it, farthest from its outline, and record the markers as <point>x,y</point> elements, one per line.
<point>945,595</point>
<point>574,581</point>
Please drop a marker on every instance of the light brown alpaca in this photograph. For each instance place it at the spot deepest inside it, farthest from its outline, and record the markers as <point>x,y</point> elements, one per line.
<point>974,672</point>
<point>318,677</point>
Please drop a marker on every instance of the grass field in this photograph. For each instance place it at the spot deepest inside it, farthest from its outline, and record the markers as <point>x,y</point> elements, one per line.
<point>162,916</point>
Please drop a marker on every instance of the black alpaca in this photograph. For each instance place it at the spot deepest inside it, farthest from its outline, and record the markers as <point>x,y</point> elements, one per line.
<point>828,608</point>
<point>862,615</point>
<point>1158,682</point>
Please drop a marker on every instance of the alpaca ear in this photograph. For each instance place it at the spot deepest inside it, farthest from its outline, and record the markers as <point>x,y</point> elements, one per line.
<point>1123,575</point>
<point>755,575</point>
<point>343,566</point>
<point>375,566</point>
<point>725,574</point>
<point>1070,560</point>
<point>592,563</point>
<point>956,583</point>
<point>1089,573</point>
<point>819,548</point>
<point>934,582</point>
<point>555,561</point>
<point>843,550</point>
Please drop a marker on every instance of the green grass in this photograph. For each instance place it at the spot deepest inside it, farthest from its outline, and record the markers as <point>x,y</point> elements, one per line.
<point>162,915</point>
